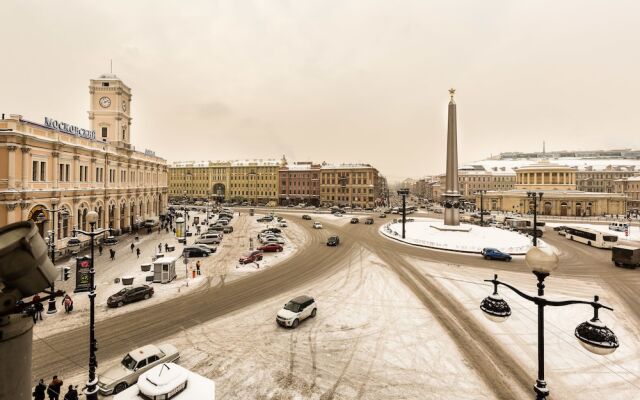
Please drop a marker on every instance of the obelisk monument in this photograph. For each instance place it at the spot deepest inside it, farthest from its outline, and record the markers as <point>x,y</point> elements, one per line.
<point>451,194</point>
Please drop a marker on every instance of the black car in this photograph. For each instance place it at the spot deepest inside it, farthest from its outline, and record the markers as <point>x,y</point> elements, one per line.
<point>306,217</point>
<point>194,251</point>
<point>368,221</point>
<point>355,220</point>
<point>227,229</point>
<point>216,228</point>
<point>333,240</point>
<point>130,295</point>
<point>267,218</point>
<point>109,241</point>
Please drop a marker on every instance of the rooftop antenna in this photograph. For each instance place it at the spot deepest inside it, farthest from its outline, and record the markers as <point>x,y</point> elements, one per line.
<point>544,148</point>
<point>111,66</point>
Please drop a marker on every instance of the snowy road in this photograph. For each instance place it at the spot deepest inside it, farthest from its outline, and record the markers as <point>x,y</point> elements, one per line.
<point>383,330</point>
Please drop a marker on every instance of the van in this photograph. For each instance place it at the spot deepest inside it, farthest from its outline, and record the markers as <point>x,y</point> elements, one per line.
<point>151,222</point>
<point>625,256</point>
<point>209,238</point>
<point>618,226</point>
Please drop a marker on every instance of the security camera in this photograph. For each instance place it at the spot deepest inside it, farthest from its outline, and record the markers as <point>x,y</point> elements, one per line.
<point>25,268</point>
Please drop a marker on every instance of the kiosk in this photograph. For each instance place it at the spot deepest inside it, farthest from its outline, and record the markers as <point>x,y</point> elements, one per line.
<point>164,270</point>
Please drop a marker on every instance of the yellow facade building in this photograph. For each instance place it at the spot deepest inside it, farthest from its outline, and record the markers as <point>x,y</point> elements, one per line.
<point>560,197</point>
<point>354,185</point>
<point>51,165</point>
<point>255,181</point>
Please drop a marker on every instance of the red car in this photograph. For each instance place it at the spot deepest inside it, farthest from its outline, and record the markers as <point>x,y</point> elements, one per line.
<point>253,256</point>
<point>271,247</point>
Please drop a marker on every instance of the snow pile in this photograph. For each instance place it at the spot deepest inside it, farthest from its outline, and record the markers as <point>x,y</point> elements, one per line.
<point>423,232</point>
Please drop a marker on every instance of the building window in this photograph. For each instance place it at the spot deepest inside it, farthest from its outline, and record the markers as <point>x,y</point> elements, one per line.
<point>34,170</point>
<point>104,132</point>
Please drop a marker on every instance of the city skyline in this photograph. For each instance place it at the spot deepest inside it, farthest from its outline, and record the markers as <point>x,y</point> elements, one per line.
<point>333,81</point>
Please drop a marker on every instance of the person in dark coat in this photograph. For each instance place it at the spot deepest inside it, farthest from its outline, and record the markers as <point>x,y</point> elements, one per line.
<point>38,307</point>
<point>39,391</point>
<point>132,247</point>
<point>112,252</point>
<point>72,394</point>
<point>100,249</point>
<point>138,252</point>
<point>54,388</point>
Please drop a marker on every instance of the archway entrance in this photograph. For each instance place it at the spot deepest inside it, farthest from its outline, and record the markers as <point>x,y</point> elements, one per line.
<point>547,208</point>
<point>40,217</point>
<point>578,209</point>
<point>563,209</point>
<point>219,192</point>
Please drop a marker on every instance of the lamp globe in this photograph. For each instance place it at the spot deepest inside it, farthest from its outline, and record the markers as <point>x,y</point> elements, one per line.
<point>542,259</point>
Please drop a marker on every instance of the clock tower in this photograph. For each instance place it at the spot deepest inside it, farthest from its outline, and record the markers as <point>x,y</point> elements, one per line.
<point>110,109</point>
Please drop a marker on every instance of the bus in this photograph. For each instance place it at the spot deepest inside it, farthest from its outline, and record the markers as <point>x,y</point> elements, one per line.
<point>590,237</point>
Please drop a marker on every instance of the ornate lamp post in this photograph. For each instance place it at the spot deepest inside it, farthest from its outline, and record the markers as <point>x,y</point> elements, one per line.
<point>91,390</point>
<point>535,197</point>
<point>51,241</point>
<point>592,334</point>
<point>404,193</point>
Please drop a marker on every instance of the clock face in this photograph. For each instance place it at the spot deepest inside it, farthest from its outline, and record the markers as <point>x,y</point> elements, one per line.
<point>124,106</point>
<point>105,102</point>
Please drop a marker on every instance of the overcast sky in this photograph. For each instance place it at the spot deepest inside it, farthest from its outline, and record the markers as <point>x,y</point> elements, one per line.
<point>335,81</point>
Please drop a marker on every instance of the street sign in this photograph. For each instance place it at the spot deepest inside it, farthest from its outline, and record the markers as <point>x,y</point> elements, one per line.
<point>83,265</point>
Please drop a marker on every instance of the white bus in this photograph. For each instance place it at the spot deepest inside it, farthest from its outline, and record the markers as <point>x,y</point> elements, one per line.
<point>590,237</point>
<point>517,223</point>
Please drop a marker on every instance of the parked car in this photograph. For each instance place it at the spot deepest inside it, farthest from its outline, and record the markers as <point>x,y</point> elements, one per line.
<point>119,377</point>
<point>317,225</point>
<point>253,256</point>
<point>195,251</point>
<point>494,254</point>
<point>266,218</point>
<point>296,310</point>
<point>210,249</point>
<point>216,228</point>
<point>73,242</point>
<point>560,229</point>
<point>282,224</point>
<point>271,247</point>
<point>383,215</point>
<point>368,221</point>
<point>333,240</point>
<point>272,230</point>
<point>355,220</point>
<point>306,217</point>
<point>110,241</point>
<point>209,238</point>
<point>274,239</point>
<point>223,222</point>
<point>130,295</point>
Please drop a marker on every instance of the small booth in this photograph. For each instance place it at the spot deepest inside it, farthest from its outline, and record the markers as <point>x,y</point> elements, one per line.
<point>164,270</point>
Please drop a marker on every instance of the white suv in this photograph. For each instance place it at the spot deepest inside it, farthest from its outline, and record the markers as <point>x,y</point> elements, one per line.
<point>302,307</point>
<point>317,225</point>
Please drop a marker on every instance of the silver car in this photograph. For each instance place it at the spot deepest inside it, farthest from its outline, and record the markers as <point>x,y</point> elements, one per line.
<point>119,377</point>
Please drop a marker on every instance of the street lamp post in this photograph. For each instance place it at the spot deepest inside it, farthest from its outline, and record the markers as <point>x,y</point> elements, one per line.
<point>481,193</point>
<point>536,197</point>
<point>593,335</point>
<point>91,390</point>
<point>404,193</point>
<point>51,305</point>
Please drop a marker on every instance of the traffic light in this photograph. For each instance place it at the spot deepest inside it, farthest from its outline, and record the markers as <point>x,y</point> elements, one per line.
<point>66,273</point>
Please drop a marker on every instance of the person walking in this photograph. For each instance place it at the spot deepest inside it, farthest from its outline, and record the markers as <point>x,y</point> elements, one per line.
<point>112,252</point>
<point>166,247</point>
<point>138,252</point>
<point>100,249</point>
<point>38,308</point>
<point>132,247</point>
<point>198,267</point>
<point>54,388</point>
<point>160,247</point>
<point>39,390</point>
<point>72,393</point>
<point>67,302</point>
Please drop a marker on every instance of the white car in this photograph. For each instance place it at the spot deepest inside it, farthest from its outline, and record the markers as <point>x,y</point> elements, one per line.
<point>275,239</point>
<point>317,225</point>
<point>119,377</point>
<point>282,224</point>
<point>296,310</point>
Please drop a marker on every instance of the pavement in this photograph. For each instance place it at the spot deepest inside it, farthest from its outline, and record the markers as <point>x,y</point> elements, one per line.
<point>504,375</point>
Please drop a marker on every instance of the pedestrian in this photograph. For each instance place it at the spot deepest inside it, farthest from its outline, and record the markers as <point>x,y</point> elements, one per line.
<point>100,249</point>
<point>160,247</point>
<point>166,228</point>
<point>198,267</point>
<point>38,307</point>
<point>72,393</point>
<point>67,302</point>
<point>39,391</point>
<point>166,247</point>
<point>112,252</point>
<point>132,247</point>
<point>54,389</point>
<point>174,230</point>
<point>138,252</point>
